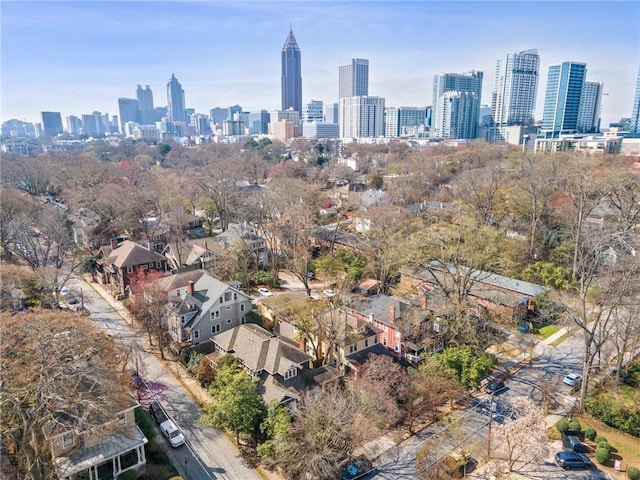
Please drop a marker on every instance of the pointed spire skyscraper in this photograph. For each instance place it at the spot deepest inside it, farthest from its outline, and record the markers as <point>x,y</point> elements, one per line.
<point>291,83</point>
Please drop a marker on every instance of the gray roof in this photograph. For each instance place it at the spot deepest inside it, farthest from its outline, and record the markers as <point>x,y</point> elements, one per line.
<point>260,349</point>
<point>130,254</point>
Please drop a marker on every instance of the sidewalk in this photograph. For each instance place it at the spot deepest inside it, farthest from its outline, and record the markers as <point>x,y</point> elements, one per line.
<point>191,385</point>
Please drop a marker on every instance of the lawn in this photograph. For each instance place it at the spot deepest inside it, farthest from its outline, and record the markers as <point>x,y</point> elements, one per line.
<point>627,447</point>
<point>547,331</point>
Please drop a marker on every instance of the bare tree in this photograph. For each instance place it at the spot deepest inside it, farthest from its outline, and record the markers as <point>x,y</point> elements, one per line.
<point>58,371</point>
<point>522,440</point>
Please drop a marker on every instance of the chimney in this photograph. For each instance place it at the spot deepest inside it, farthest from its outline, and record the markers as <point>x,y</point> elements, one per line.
<point>424,302</point>
<point>392,312</point>
<point>190,285</point>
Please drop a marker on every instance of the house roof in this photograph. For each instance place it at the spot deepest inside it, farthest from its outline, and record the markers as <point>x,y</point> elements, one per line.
<point>260,349</point>
<point>129,254</point>
<point>346,328</point>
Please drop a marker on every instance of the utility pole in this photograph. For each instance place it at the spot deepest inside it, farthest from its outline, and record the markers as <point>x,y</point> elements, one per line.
<point>490,424</point>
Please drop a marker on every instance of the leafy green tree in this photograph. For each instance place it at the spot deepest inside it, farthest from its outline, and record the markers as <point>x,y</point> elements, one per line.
<point>163,150</point>
<point>549,274</point>
<point>375,181</point>
<point>467,367</point>
<point>238,406</point>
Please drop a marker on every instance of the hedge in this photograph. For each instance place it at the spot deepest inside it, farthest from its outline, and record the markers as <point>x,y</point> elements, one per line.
<point>575,426</point>
<point>590,433</point>
<point>609,411</point>
<point>602,455</point>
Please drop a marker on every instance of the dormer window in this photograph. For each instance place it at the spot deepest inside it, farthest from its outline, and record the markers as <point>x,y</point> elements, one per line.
<point>292,372</point>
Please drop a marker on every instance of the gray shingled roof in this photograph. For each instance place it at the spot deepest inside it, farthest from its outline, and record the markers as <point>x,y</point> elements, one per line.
<point>130,254</point>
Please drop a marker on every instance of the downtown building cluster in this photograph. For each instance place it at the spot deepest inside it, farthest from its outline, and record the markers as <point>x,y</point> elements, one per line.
<point>572,105</point>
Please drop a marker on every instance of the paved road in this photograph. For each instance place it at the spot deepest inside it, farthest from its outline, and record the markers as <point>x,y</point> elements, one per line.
<point>470,427</point>
<point>208,453</point>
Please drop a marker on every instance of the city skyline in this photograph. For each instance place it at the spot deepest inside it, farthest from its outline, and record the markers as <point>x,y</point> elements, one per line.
<point>83,56</point>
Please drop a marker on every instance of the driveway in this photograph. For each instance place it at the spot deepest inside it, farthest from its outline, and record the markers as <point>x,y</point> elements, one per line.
<point>208,453</point>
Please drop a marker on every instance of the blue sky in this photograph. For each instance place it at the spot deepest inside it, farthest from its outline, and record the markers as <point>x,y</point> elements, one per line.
<point>79,56</point>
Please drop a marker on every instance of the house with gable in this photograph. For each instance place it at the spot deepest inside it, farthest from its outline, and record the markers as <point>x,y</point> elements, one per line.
<point>102,453</point>
<point>244,233</point>
<point>502,296</point>
<point>200,305</point>
<point>283,371</point>
<point>120,262</point>
<point>202,253</point>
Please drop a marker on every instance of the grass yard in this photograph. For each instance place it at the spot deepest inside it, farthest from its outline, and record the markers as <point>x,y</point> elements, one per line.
<point>626,446</point>
<point>547,331</point>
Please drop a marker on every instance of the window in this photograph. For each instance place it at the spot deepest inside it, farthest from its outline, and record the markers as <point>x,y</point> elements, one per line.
<point>352,348</point>
<point>158,264</point>
<point>182,320</point>
<point>196,334</point>
<point>216,314</point>
<point>68,439</point>
<point>384,341</point>
<point>228,307</point>
<point>228,320</point>
<point>235,296</point>
<point>144,267</point>
<point>366,342</point>
<point>129,269</point>
<point>215,328</point>
<point>242,320</point>
<point>292,372</point>
<point>242,307</point>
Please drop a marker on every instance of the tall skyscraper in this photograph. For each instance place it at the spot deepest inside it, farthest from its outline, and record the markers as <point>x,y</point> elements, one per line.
<point>51,123</point>
<point>589,110</point>
<point>562,98</point>
<point>175,101</point>
<point>353,78</point>
<point>361,116</point>
<point>145,101</point>
<point>129,111</point>
<point>635,115</point>
<point>291,81</point>
<point>515,87</point>
<point>456,116</point>
<point>74,125</point>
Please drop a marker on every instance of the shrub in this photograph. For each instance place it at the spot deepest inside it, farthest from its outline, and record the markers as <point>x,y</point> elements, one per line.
<point>604,445</point>
<point>600,438</point>
<point>574,426</point>
<point>590,433</point>
<point>602,455</point>
<point>562,425</point>
<point>633,473</point>
<point>194,361</point>
<point>553,433</point>
<point>204,372</point>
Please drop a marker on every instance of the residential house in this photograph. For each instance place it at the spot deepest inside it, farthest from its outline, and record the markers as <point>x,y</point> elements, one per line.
<point>339,339</point>
<point>502,296</point>
<point>119,263</point>
<point>243,233</point>
<point>202,253</point>
<point>403,326</point>
<point>200,305</point>
<point>103,453</point>
<point>283,370</point>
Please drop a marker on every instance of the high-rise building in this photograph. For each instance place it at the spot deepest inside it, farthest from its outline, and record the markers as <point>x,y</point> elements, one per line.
<point>331,113</point>
<point>590,107</point>
<point>313,111</point>
<point>129,112</point>
<point>562,98</point>
<point>291,80</point>
<point>258,122</point>
<point>353,78</point>
<point>447,122</point>
<point>51,123</point>
<point>145,102</point>
<point>404,121</point>
<point>361,116</point>
<point>219,115</point>
<point>634,130</point>
<point>175,101</point>
<point>515,87</point>
<point>74,125</point>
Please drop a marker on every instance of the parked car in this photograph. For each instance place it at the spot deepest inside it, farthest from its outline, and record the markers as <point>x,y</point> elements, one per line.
<point>171,432</point>
<point>264,292</point>
<point>71,299</point>
<point>572,379</point>
<point>328,292</point>
<point>157,412</point>
<point>568,459</point>
<point>576,445</point>
<point>495,385</point>
<point>311,275</point>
